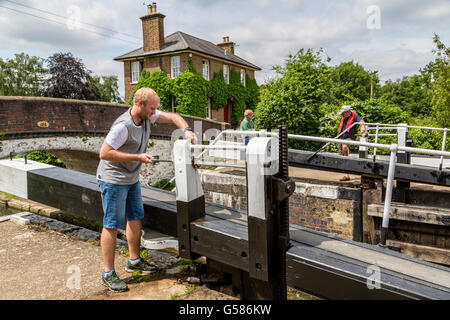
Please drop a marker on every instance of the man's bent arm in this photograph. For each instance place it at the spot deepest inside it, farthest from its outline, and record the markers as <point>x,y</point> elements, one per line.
<point>171,117</point>
<point>168,117</point>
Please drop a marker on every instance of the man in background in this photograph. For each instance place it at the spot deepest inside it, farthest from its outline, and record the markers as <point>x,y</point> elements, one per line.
<point>348,117</point>
<point>247,124</point>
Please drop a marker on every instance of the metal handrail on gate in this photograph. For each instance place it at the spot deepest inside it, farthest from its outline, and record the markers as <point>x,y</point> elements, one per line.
<point>394,149</point>
<point>395,127</point>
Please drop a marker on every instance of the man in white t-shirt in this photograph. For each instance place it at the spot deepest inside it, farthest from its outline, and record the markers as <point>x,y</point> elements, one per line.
<point>122,155</point>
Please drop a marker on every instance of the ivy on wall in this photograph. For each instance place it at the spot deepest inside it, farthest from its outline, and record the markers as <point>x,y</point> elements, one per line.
<point>191,92</point>
<point>158,81</point>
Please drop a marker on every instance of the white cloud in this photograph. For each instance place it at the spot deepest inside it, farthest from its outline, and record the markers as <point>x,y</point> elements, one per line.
<point>265,31</point>
<point>419,12</point>
<point>392,64</point>
<point>22,27</point>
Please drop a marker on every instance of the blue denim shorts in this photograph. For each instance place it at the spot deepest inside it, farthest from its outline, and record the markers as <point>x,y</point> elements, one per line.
<point>120,202</point>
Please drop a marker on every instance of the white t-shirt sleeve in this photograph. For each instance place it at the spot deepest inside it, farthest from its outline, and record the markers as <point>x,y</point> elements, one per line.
<point>117,136</point>
<point>155,117</point>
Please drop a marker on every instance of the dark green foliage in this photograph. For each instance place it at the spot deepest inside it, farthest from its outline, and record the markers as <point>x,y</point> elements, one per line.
<point>159,82</point>
<point>252,94</point>
<point>411,93</point>
<point>218,90</point>
<point>45,157</point>
<point>295,98</point>
<point>379,111</point>
<point>352,80</point>
<point>163,182</point>
<point>371,111</point>
<point>307,96</point>
<point>22,76</point>
<point>66,77</point>
<point>238,93</point>
<point>428,139</point>
<point>107,87</point>
<point>441,85</point>
<point>191,92</point>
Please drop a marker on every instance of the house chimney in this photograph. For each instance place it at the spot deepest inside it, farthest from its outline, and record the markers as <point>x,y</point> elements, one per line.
<point>153,29</point>
<point>227,45</point>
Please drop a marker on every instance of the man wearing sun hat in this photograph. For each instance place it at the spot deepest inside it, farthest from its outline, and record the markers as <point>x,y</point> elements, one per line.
<point>348,117</point>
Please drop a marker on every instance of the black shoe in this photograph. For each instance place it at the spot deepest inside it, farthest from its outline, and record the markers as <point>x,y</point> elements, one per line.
<point>114,283</point>
<point>143,266</point>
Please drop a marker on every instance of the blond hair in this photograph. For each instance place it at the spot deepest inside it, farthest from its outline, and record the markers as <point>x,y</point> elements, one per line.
<point>144,95</point>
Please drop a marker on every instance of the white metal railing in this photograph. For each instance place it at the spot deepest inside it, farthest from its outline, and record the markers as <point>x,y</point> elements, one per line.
<point>394,149</point>
<point>383,126</point>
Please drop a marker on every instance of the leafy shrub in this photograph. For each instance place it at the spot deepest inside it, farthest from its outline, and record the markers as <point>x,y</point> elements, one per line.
<point>159,82</point>
<point>191,91</point>
<point>45,157</point>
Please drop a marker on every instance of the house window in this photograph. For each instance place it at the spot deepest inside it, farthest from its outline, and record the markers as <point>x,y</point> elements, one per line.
<point>205,68</point>
<point>135,71</point>
<point>175,63</point>
<point>174,104</point>
<point>243,77</point>
<point>226,74</point>
<point>208,109</point>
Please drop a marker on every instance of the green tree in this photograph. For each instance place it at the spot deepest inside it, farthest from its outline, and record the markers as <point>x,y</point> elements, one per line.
<point>190,91</point>
<point>252,96</point>
<point>45,157</point>
<point>379,111</point>
<point>411,93</point>
<point>239,96</point>
<point>295,97</point>
<point>441,85</point>
<point>350,79</point>
<point>108,88</point>
<point>158,81</point>
<point>22,76</point>
<point>218,90</point>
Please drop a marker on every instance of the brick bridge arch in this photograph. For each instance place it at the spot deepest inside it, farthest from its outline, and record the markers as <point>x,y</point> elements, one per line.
<point>73,130</point>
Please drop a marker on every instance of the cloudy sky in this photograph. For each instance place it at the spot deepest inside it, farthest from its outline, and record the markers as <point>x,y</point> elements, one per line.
<point>391,36</point>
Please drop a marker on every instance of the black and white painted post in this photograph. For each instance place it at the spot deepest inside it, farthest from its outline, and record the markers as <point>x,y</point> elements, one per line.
<point>189,195</point>
<point>267,236</point>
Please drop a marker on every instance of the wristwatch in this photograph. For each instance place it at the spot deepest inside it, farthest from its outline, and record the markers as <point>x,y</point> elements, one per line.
<point>187,129</point>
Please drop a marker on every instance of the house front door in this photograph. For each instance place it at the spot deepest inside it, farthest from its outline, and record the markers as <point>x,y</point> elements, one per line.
<point>227,112</point>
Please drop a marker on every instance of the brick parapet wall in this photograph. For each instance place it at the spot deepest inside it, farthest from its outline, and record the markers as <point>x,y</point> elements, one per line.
<point>22,114</point>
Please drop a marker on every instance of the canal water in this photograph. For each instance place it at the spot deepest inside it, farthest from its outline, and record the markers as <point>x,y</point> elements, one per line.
<point>5,211</point>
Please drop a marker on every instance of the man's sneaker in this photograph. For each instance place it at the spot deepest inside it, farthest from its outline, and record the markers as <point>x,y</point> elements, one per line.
<point>113,282</point>
<point>143,266</point>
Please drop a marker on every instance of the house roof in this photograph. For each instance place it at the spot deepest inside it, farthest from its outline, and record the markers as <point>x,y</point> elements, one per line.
<point>179,41</point>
